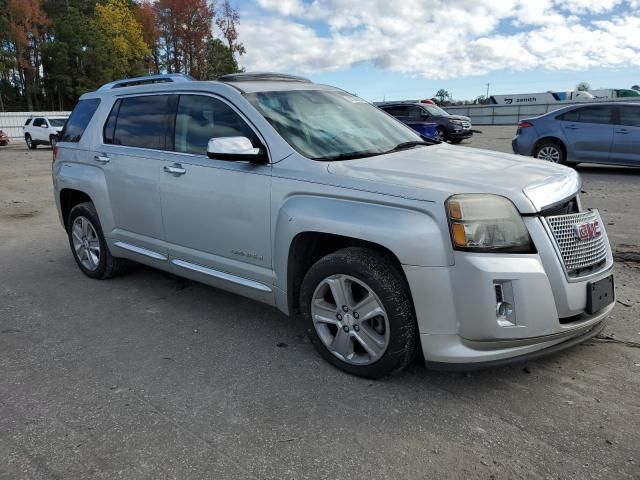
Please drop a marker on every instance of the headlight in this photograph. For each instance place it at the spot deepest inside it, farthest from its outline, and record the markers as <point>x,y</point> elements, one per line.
<point>487,223</point>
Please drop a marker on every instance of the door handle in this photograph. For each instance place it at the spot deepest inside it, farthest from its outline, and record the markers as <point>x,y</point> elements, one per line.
<point>623,131</point>
<point>175,169</point>
<point>572,127</point>
<point>101,159</point>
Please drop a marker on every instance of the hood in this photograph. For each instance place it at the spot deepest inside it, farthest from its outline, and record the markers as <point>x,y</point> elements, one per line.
<point>436,172</point>
<point>459,117</point>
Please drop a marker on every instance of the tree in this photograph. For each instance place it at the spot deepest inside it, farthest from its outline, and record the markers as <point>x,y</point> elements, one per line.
<point>442,95</point>
<point>146,16</point>
<point>636,87</point>
<point>583,87</point>
<point>481,100</point>
<point>122,38</point>
<point>227,21</point>
<point>26,26</point>
<point>219,60</point>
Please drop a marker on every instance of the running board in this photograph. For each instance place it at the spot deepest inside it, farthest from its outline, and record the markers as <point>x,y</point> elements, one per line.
<point>222,275</point>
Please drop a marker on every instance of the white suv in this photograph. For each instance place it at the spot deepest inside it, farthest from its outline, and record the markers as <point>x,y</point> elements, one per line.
<point>43,131</point>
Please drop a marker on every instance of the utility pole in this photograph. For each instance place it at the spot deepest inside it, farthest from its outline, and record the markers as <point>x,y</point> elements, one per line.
<point>488,90</point>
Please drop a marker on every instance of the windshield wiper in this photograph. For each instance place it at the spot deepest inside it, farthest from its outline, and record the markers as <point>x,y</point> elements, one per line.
<point>348,156</point>
<point>406,145</point>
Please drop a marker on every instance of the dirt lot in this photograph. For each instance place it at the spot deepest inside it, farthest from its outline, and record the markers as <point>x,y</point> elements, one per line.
<point>150,376</point>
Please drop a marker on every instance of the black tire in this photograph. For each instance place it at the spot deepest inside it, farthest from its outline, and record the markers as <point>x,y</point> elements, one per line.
<point>443,134</point>
<point>383,275</point>
<point>455,141</point>
<point>53,140</point>
<point>108,265</point>
<point>31,145</point>
<point>544,149</point>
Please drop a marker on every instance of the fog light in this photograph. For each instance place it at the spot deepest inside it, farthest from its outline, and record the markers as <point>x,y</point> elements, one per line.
<point>505,311</point>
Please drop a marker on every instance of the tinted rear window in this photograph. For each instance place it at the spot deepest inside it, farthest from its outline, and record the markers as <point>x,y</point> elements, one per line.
<point>144,122</point>
<point>79,119</point>
<point>601,115</point>
<point>630,116</point>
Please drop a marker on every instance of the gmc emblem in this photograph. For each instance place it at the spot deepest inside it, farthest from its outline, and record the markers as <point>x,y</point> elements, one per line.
<point>587,230</point>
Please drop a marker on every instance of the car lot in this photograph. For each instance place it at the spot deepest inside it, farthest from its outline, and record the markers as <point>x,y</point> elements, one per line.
<point>151,376</point>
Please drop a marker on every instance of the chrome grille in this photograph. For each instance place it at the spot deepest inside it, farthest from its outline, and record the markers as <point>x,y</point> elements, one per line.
<point>577,254</point>
<point>466,125</point>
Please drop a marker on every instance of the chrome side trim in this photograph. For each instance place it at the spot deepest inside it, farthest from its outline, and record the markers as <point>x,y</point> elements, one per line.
<point>140,250</point>
<point>222,275</point>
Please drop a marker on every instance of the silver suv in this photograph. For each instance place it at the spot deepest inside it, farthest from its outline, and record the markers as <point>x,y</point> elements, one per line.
<point>307,198</point>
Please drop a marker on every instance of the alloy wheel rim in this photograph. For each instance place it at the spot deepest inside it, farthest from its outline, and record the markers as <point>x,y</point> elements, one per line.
<point>29,142</point>
<point>551,154</point>
<point>439,135</point>
<point>350,320</point>
<point>86,243</point>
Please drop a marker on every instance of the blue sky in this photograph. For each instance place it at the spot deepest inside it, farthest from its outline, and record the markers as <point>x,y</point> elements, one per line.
<point>415,47</point>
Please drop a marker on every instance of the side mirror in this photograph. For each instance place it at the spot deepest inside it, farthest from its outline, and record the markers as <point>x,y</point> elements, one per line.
<point>425,115</point>
<point>44,125</point>
<point>235,149</point>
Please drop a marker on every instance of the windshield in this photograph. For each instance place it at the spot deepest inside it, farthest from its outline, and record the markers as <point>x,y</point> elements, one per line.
<point>436,111</point>
<point>330,125</point>
<point>57,122</point>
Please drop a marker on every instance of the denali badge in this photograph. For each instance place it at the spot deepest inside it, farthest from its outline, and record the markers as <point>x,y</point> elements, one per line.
<point>587,230</point>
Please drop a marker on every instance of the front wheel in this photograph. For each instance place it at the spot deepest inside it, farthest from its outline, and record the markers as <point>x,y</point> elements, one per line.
<point>456,141</point>
<point>358,312</point>
<point>441,134</point>
<point>551,152</point>
<point>29,141</point>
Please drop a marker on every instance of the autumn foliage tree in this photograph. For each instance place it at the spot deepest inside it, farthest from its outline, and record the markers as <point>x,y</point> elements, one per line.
<point>53,51</point>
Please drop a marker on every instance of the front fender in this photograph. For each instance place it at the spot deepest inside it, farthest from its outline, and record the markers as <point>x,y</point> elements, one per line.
<point>416,237</point>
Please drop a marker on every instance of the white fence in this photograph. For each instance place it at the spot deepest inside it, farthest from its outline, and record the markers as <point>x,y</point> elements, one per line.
<point>511,114</point>
<point>11,122</point>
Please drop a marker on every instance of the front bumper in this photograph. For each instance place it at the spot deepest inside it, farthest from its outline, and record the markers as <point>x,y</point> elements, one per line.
<point>458,134</point>
<point>456,306</point>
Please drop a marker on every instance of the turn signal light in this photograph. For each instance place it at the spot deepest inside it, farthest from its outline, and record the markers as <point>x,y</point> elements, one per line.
<point>525,124</point>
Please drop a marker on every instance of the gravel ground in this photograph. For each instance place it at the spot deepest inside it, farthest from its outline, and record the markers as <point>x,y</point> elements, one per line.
<point>150,376</point>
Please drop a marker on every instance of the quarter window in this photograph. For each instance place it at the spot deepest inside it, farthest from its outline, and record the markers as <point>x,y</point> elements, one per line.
<point>630,116</point>
<point>79,119</point>
<point>201,118</point>
<point>144,122</point>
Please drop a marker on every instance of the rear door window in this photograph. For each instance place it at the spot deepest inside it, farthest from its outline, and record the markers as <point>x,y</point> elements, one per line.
<point>596,114</point>
<point>201,118</point>
<point>630,116</point>
<point>79,119</point>
<point>145,122</point>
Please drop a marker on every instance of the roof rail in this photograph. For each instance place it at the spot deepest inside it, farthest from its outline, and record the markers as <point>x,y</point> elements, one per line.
<point>130,82</point>
<point>262,77</point>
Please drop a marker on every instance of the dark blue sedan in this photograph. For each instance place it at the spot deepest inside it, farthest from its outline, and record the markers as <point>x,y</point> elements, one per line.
<point>589,133</point>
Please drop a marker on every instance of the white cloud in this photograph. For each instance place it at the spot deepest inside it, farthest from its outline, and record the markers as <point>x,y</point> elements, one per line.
<point>441,39</point>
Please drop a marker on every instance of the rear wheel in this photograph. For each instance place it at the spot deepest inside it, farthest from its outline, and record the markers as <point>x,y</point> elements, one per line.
<point>88,245</point>
<point>53,140</point>
<point>30,144</point>
<point>551,152</point>
<point>358,312</point>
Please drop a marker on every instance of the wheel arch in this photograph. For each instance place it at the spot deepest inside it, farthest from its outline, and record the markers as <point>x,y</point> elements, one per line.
<point>309,227</point>
<point>551,138</point>
<point>69,198</point>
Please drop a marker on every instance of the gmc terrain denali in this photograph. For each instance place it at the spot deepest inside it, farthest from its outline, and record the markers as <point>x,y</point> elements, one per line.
<point>310,199</point>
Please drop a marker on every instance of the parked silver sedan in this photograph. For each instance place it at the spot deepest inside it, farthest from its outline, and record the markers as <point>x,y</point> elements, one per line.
<point>606,133</point>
